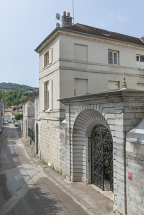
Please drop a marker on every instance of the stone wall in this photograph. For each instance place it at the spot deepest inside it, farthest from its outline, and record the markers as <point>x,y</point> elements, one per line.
<point>0,114</point>
<point>135,176</point>
<point>52,144</point>
<point>120,111</point>
<point>28,117</point>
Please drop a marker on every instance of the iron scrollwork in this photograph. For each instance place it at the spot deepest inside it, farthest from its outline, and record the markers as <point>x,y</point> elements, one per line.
<point>101,156</point>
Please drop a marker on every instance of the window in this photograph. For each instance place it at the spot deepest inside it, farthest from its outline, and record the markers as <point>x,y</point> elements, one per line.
<point>80,52</point>
<point>36,105</point>
<point>112,57</point>
<point>26,108</point>
<point>140,58</point>
<point>46,59</point>
<point>140,61</point>
<point>81,86</point>
<point>47,95</point>
<point>113,85</point>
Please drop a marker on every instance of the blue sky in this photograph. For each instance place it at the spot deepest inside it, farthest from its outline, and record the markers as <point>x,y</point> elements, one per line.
<point>25,23</point>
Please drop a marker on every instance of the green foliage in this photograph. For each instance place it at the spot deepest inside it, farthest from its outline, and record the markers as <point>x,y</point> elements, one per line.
<point>11,98</point>
<point>107,164</point>
<point>15,87</point>
<point>18,116</point>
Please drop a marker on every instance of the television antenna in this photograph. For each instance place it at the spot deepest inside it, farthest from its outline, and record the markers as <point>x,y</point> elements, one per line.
<point>73,10</point>
<point>58,16</point>
<point>57,25</point>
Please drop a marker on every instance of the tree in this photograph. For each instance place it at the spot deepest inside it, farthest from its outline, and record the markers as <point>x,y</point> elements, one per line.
<point>18,116</point>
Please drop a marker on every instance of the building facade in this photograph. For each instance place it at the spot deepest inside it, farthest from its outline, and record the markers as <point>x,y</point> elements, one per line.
<point>82,60</point>
<point>89,60</point>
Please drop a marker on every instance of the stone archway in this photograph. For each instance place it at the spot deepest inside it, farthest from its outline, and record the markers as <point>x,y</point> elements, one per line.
<point>81,158</point>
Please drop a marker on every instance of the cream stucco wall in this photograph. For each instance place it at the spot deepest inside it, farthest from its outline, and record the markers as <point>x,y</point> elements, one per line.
<point>65,67</point>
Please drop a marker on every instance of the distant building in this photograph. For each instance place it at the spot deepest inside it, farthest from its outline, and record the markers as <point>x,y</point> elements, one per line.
<point>10,112</point>
<point>30,116</point>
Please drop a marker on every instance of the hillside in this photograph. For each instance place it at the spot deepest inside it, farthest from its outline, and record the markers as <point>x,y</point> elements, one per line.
<point>14,94</point>
<point>12,86</point>
<point>14,97</point>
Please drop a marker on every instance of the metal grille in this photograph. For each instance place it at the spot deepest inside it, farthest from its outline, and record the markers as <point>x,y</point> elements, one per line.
<point>31,134</point>
<point>101,156</point>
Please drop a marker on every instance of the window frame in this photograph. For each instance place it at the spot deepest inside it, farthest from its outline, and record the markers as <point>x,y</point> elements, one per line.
<point>139,63</point>
<point>113,52</point>
<point>48,95</point>
<point>139,58</point>
<point>36,105</point>
<point>49,60</point>
<point>47,52</point>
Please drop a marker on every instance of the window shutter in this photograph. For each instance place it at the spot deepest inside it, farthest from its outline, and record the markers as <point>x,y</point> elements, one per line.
<point>50,95</point>
<point>43,96</point>
<point>43,61</point>
<point>51,55</point>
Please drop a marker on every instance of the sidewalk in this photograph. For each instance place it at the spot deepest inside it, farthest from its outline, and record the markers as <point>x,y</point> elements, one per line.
<point>90,199</point>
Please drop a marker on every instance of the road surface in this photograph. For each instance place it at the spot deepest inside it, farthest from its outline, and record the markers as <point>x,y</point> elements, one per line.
<point>24,188</point>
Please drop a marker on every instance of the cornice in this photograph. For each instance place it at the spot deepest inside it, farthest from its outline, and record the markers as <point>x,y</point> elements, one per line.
<point>81,35</point>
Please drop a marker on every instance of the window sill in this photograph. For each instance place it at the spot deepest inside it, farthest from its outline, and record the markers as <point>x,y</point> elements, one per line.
<point>47,66</point>
<point>47,111</point>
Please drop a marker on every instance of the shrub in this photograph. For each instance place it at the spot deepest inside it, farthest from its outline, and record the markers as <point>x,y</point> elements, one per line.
<point>18,116</point>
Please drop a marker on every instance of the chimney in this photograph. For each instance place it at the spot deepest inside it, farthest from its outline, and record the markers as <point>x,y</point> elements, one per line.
<point>66,20</point>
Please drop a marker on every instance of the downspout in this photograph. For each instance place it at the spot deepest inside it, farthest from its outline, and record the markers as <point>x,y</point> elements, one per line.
<point>70,141</point>
<point>125,186</point>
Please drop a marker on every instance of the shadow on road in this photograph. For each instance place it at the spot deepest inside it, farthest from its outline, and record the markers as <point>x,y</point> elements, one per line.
<point>36,202</point>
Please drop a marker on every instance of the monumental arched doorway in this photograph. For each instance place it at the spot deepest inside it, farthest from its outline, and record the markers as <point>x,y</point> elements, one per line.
<point>86,126</point>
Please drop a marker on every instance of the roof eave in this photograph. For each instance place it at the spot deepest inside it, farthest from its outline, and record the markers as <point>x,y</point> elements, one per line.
<point>42,43</point>
<point>77,32</point>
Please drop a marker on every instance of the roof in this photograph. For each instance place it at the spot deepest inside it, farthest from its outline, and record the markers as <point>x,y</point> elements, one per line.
<point>31,97</point>
<point>138,131</point>
<point>100,95</point>
<point>97,32</point>
<point>8,110</point>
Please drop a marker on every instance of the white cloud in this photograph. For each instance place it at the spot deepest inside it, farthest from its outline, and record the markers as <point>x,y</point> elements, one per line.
<point>121,18</point>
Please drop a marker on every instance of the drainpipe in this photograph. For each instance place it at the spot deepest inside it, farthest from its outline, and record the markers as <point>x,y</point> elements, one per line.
<point>70,141</point>
<point>125,186</point>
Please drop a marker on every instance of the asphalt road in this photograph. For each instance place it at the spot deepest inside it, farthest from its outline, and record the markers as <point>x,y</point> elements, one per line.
<point>25,188</point>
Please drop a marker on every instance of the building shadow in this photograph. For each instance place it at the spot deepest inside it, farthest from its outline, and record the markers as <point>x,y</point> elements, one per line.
<point>36,202</point>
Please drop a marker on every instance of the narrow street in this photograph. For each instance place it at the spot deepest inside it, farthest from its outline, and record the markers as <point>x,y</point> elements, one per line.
<point>24,187</point>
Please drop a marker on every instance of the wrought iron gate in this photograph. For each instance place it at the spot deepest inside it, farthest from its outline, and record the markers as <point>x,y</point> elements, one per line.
<point>101,156</point>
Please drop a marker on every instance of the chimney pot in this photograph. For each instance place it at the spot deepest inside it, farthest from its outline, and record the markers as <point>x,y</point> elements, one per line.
<point>64,13</point>
<point>68,14</point>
